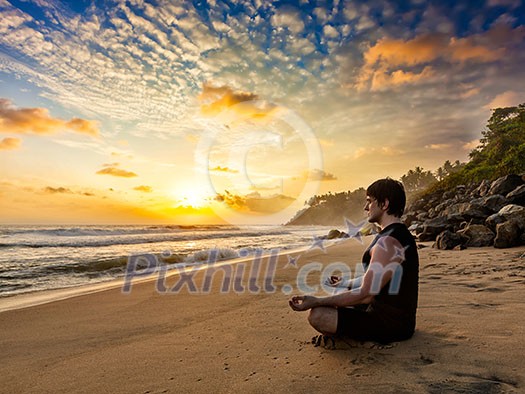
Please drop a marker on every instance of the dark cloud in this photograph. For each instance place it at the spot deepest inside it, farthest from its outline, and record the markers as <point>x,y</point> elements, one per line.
<point>320,175</point>
<point>60,190</point>
<point>112,169</point>
<point>254,202</point>
<point>317,175</point>
<point>224,169</point>
<point>65,190</point>
<point>216,99</point>
<point>143,188</point>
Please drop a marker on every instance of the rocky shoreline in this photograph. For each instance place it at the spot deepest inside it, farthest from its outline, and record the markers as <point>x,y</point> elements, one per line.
<point>478,214</point>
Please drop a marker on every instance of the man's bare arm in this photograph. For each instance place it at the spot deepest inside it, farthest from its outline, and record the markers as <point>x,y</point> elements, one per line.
<point>386,255</point>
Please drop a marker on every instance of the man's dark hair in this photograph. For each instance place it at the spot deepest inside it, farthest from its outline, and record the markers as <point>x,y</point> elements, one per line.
<point>391,190</point>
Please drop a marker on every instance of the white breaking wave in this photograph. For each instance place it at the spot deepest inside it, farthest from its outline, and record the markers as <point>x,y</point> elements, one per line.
<point>37,258</point>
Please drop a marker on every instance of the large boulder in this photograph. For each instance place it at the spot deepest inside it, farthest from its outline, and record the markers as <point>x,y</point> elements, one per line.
<point>416,228</point>
<point>447,240</point>
<point>333,234</point>
<point>505,184</point>
<point>448,195</point>
<point>517,196</point>
<point>418,205</point>
<point>441,207</point>
<point>477,235</point>
<point>409,218</point>
<point>493,220</point>
<point>482,189</point>
<point>432,227</point>
<point>421,217</point>
<point>515,213</point>
<point>474,210</point>
<point>494,202</point>
<point>507,235</point>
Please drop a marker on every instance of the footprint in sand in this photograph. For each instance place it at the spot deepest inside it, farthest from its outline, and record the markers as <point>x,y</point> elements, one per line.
<point>424,360</point>
<point>491,289</point>
<point>476,305</point>
<point>464,387</point>
<point>474,384</point>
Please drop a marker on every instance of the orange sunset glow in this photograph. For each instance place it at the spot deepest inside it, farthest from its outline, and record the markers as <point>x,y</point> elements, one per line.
<point>136,113</point>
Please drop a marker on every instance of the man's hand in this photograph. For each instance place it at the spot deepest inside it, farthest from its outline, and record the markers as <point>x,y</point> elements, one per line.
<point>334,281</point>
<point>302,303</point>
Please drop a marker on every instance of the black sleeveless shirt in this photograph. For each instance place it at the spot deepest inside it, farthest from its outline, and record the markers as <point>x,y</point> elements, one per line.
<point>399,308</point>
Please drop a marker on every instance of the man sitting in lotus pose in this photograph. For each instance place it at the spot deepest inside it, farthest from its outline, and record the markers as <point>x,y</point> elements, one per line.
<point>382,307</point>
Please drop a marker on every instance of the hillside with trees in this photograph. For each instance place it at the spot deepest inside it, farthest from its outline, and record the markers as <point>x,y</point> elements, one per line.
<point>331,209</point>
<point>501,151</point>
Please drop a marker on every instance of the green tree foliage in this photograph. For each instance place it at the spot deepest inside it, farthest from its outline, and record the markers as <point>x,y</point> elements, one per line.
<point>448,169</point>
<point>332,208</point>
<point>417,179</point>
<point>502,142</point>
<point>501,152</point>
<point>338,199</point>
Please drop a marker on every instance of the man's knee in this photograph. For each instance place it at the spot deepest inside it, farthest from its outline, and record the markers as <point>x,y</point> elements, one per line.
<point>323,319</point>
<point>315,316</point>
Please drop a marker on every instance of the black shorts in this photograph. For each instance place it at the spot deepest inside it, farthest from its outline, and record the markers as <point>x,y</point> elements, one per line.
<point>364,325</point>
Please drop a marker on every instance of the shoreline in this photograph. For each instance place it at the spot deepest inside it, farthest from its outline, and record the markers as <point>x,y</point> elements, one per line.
<point>39,297</point>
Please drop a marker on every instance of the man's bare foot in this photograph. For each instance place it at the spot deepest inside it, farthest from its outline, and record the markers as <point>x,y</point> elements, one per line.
<point>326,341</point>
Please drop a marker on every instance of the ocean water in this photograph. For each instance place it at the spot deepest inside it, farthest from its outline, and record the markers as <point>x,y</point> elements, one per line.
<point>35,258</point>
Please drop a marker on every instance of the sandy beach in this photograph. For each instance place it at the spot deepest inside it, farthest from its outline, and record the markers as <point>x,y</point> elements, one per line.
<point>469,338</point>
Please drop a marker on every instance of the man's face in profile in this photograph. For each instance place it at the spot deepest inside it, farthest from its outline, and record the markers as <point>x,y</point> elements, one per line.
<point>373,210</point>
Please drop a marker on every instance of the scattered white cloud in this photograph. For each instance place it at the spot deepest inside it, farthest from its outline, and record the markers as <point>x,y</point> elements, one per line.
<point>288,17</point>
<point>321,14</point>
<point>471,145</point>
<point>365,23</point>
<point>330,31</point>
<point>504,3</point>
<point>437,146</point>
<point>385,150</point>
<point>505,99</point>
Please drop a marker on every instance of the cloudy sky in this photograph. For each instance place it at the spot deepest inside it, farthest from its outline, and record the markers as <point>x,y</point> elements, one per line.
<point>238,111</point>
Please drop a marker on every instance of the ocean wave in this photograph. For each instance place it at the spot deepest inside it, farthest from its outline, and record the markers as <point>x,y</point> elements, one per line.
<point>36,258</point>
<point>213,255</point>
<point>58,241</point>
<point>111,265</point>
<point>11,287</point>
<point>108,230</point>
